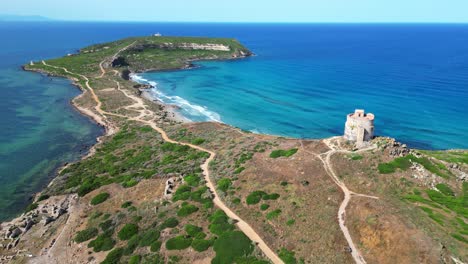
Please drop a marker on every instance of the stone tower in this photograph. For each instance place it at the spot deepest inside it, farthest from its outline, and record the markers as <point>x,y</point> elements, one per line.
<point>359,126</point>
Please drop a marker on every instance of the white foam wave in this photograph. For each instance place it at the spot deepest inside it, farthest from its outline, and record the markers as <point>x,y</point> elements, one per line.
<point>193,110</point>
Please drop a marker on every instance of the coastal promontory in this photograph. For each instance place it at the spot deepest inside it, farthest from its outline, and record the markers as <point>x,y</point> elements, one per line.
<point>158,190</point>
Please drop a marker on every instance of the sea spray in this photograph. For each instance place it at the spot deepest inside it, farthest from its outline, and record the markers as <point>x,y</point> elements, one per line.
<point>188,110</point>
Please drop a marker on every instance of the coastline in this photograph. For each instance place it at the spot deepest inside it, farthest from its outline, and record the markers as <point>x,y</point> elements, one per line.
<point>99,116</point>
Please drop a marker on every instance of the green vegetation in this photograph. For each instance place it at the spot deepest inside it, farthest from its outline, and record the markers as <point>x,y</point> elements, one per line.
<point>113,257</point>
<point>272,196</point>
<point>201,245</point>
<point>444,189</point>
<point>86,234</point>
<point>454,203</point>
<point>290,222</point>
<point>128,231</point>
<point>256,196</point>
<point>273,214</point>
<point>31,207</point>
<point>136,259</point>
<point>155,246</point>
<point>103,242</point>
<point>224,184</point>
<point>264,207</point>
<point>230,246</point>
<point>219,223</point>
<point>193,230</point>
<point>197,141</point>
<point>434,216</point>
<point>126,204</point>
<point>106,225</point>
<point>187,209</point>
<point>452,156</point>
<point>460,238</point>
<point>126,159</point>
<point>100,198</point>
<point>178,243</point>
<point>355,156</point>
<point>287,256</point>
<point>404,163</point>
<point>169,223</point>
<point>283,153</point>
<point>149,237</point>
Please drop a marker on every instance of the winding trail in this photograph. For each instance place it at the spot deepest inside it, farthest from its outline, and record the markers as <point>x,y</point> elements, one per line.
<point>144,112</point>
<point>358,258</point>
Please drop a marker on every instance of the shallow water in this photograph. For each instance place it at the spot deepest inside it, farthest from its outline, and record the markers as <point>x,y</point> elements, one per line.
<point>306,78</point>
<point>302,83</point>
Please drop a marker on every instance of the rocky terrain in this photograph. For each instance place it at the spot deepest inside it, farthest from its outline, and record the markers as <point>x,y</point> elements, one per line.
<point>158,191</point>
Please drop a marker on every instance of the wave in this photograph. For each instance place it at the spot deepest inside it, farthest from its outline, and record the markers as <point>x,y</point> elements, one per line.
<point>190,111</point>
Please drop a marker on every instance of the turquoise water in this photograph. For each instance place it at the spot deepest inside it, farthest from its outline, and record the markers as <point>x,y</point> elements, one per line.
<point>306,78</point>
<point>302,83</point>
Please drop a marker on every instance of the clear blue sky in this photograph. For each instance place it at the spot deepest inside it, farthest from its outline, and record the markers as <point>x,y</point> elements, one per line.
<point>245,10</point>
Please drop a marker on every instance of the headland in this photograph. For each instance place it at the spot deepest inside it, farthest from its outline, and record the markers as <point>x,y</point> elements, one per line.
<point>157,190</point>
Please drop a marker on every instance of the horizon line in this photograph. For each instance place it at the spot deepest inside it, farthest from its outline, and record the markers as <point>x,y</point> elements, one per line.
<point>47,19</point>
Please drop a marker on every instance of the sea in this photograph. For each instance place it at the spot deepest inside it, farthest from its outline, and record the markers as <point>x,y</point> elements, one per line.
<point>301,83</point>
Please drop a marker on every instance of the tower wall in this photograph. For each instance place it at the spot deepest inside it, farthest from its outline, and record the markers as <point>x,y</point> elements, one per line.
<point>359,126</point>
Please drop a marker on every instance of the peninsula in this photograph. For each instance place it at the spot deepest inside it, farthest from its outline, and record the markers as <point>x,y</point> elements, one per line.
<point>156,190</point>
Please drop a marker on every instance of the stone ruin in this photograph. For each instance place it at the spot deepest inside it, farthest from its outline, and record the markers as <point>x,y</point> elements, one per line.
<point>359,127</point>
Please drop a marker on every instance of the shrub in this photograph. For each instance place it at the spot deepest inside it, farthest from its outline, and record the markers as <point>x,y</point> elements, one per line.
<point>273,214</point>
<point>230,246</point>
<point>129,183</point>
<point>356,157</point>
<point>284,183</point>
<point>113,257</point>
<point>126,204</point>
<point>103,242</point>
<point>132,244</point>
<point>128,231</point>
<point>100,198</point>
<point>264,207</point>
<point>445,189</point>
<point>283,153</point>
<point>187,209</point>
<point>272,196</point>
<point>31,207</point>
<point>170,222</point>
<point>460,238</point>
<point>106,225</point>
<point>149,237</point>
<point>219,223</point>
<point>239,170</point>
<point>287,256</point>
<point>155,246</point>
<point>198,141</point>
<point>192,180</point>
<point>255,197</point>
<point>134,259</point>
<point>43,197</point>
<point>290,222</point>
<point>182,193</point>
<point>224,184</point>
<point>201,245</point>
<point>178,243</point>
<point>193,230</point>
<point>86,234</point>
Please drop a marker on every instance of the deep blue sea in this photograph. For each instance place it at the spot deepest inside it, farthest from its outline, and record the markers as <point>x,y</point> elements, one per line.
<point>302,83</point>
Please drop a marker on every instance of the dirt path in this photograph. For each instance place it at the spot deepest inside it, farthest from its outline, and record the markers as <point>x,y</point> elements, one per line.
<point>358,258</point>
<point>241,224</point>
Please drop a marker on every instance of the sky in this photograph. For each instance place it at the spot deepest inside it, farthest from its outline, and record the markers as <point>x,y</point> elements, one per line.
<point>323,11</point>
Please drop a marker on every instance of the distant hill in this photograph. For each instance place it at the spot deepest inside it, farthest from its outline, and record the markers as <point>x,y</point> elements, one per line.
<point>4,18</point>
